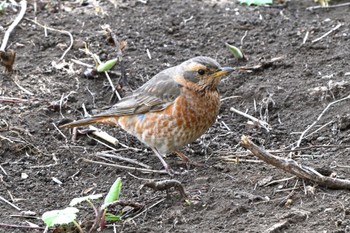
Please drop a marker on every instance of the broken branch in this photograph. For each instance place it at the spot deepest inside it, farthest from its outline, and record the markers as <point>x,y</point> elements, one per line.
<point>291,166</point>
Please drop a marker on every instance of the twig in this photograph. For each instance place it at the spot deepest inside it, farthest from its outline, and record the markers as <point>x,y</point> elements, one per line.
<point>278,181</point>
<point>62,134</point>
<point>133,161</point>
<point>230,97</point>
<point>126,167</point>
<point>327,7</point>
<point>120,60</point>
<point>18,19</point>
<point>261,65</point>
<point>243,37</point>
<point>4,225</point>
<point>318,118</point>
<point>306,37</point>
<point>291,166</point>
<point>237,160</point>
<point>14,100</point>
<point>327,33</point>
<point>108,138</point>
<point>3,170</point>
<point>139,178</point>
<point>277,227</point>
<point>56,30</point>
<point>146,209</point>
<point>263,124</point>
<point>82,63</point>
<point>103,135</point>
<point>5,138</point>
<point>11,204</point>
<point>115,91</point>
<point>22,88</point>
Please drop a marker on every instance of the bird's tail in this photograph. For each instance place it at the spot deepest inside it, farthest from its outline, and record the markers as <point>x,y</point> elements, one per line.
<point>90,121</point>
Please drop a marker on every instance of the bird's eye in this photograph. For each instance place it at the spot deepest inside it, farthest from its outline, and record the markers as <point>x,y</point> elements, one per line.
<point>201,72</point>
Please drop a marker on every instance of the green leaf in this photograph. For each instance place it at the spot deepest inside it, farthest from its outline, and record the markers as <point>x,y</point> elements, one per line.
<point>255,2</point>
<point>60,217</point>
<point>112,217</point>
<point>235,51</point>
<point>78,200</point>
<point>114,192</point>
<point>107,65</point>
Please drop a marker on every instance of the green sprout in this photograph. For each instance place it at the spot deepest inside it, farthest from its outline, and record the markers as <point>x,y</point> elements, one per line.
<point>3,6</point>
<point>69,214</point>
<point>237,53</point>
<point>323,2</point>
<point>60,217</point>
<point>106,66</point>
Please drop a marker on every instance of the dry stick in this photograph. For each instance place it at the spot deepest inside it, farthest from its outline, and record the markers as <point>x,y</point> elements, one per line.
<point>14,99</point>
<point>22,88</point>
<point>327,33</point>
<point>3,170</point>
<point>305,37</point>
<point>120,60</point>
<point>111,147</point>
<point>260,65</point>
<point>263,124</point>
<point>155,204</point>
<point>318,118</point>
<point>278,181</point>
<point>132,161</point>
<point>277,227</point>
<point>108,138</point>
<point>126,167</point>
<point>327,7</point>
<point>11,204</point>
<point>291,166</point>
<point>4,225</point>
<point>241,161</point>
<point>62,134</point>
<point>5,138</point>
<point>56,30</point>
<point>7,59</point>
<point>18,19</point>
<point>103,135</point>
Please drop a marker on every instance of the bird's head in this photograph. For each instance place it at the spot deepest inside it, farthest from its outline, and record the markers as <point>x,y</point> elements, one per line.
<point>201,73</point>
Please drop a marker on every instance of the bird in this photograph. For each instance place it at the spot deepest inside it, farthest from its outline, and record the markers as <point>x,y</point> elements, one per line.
<point>172,109</point>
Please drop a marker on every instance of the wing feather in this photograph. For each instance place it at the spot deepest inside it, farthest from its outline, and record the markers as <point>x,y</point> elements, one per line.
<point>155,95</point>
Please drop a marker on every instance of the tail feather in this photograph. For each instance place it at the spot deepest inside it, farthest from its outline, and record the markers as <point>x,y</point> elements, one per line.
<point>90,121</point>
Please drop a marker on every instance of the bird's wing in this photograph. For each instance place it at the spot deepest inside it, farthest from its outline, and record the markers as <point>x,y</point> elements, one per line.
<point>155,95</point>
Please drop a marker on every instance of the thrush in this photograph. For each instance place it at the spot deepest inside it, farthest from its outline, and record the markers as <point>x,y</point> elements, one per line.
<point>171,110</point>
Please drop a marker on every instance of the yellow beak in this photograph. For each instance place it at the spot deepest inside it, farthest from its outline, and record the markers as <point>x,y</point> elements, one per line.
<point>222,71</point>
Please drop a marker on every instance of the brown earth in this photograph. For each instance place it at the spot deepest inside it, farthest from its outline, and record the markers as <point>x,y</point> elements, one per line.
<point>226,197</point>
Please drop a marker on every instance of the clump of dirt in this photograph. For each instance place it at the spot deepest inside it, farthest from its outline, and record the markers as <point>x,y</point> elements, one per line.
<point>243,195</point>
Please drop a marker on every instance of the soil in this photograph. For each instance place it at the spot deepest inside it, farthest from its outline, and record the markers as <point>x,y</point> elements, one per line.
<point>42,168</point>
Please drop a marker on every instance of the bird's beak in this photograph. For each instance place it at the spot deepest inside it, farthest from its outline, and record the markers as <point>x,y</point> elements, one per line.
<point>222,71</point>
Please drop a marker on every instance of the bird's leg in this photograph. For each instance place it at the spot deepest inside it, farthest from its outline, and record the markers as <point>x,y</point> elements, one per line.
<point>182,156</point>
<point>187,160</point>
<point>165,165</point>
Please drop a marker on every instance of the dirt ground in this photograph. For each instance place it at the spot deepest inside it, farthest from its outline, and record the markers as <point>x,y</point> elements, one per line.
<point>43,170</point>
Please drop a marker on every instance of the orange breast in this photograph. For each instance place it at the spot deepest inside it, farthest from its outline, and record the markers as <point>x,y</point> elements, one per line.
<point>179,124</point>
